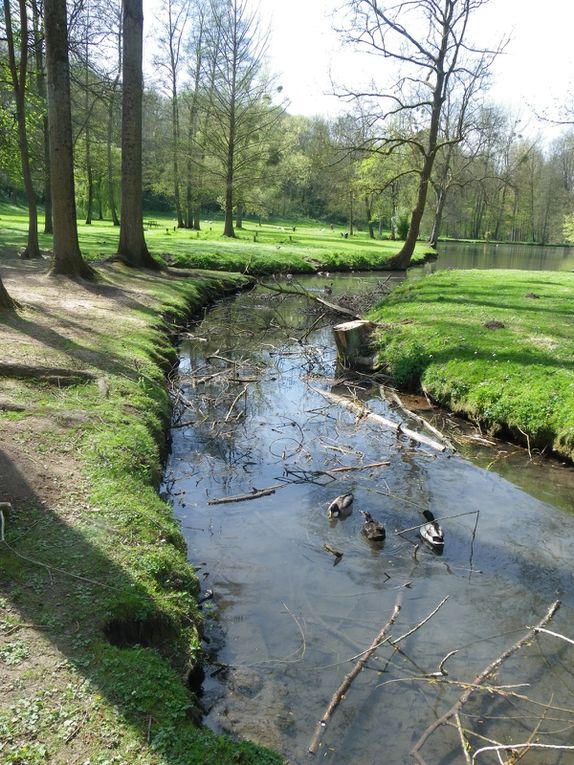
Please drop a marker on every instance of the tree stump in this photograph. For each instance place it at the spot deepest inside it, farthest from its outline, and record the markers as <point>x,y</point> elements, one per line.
<point>353,339</point>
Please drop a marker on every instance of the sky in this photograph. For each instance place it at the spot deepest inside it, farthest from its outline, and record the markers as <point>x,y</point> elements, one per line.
<point>535,73</point>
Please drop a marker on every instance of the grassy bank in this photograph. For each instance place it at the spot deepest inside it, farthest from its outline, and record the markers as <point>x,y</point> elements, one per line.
<point>495,346</point>
<point>99,624</point>
<point>279,247</point>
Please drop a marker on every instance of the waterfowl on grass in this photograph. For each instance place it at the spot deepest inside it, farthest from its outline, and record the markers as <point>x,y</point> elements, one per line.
<point>340,507</point>
<point>431,532</point>
<point>372,529</point>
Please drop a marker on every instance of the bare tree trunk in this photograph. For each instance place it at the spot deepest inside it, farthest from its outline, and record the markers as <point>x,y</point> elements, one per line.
<point>239,215</point>
<point>89,177</point>
<point>228,225</point>
<point>41,87</point>
<point>109,155</point>
<point>369,214</point>
<point>6,302</point>
<point>437,221</point>
<point>68,259</point>
<point>132,245</point>
<point>18,74</point>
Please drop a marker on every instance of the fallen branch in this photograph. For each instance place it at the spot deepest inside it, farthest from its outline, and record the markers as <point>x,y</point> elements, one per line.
<point>348,679</point>
<point>515,747</point>
<point>255,494</point>
<point>478,680</point>
<point>360,467</point>
<point>417,417</point>
<point>305,293</point>
<point>361,411</point>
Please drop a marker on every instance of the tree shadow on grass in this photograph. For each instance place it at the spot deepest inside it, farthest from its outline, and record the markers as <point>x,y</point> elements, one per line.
<point>100,618</point>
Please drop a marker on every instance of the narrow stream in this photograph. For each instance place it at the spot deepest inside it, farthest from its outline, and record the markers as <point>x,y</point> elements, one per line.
<point>284,620</point>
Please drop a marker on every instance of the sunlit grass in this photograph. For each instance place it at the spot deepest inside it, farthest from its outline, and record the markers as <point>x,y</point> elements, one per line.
<point>495,346</point>
<point>282,246</point>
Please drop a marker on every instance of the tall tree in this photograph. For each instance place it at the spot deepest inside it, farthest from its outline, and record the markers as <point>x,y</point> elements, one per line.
<point>132,247</point>
<point>68,259</point>
<point>18,68</point>
<point>237,51</point>
<point>427,40</point>
<point>173,29</point>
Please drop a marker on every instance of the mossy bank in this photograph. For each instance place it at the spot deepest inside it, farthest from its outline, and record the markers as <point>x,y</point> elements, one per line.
<point>99,624</point>
<point>495,346</point>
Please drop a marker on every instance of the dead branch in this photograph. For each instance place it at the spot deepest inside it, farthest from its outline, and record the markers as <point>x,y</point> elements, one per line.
<point>516,747</point>
<point>255,494</point>
<point>305,293</point>
<point>478,680</point>
<point>349,677</point>
<point>554,634</point>
<point>361,411</point>
<point>398,401</point>
<point>360,467</point>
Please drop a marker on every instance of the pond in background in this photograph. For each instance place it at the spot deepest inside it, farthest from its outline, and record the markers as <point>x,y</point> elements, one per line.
<point>492,255</point>
<point>286,620</point>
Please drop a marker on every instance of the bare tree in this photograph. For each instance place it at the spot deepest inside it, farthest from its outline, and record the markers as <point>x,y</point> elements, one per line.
<point>68,259</point>
<point>175,14</point>
<point>238,121</point>
<point>132,245</point>
<point>18,70</point>
<point>427,39</point>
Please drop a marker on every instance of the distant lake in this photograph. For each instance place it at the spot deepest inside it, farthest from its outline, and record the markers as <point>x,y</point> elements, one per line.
<point>492,255</point>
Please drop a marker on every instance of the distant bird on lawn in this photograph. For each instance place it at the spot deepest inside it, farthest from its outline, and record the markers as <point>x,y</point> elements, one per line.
<point>340,507</point>
<point>372,529</point>
<point>431,532</point>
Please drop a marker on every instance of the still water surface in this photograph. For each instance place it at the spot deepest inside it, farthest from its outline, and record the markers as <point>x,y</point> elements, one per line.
<point>286,620</point>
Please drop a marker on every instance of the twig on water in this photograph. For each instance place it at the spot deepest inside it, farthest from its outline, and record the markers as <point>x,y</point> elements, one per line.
<point>478,680</point>
<point>254,494</point>
<point>349,677</point>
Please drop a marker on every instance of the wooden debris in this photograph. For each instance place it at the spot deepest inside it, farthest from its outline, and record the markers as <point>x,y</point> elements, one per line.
<point>255,494</point>
<point>349,677</point>
<point>478,681</point>
<point>364,413</point>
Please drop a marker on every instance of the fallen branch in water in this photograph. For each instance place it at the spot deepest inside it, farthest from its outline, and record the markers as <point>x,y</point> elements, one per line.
<point>360,467</point>
<point>348,679</point>
<point>305,293</point>
<point>364,413</point>
<point>397,400</point>
<point>478,680</point>
<point>255,494</point>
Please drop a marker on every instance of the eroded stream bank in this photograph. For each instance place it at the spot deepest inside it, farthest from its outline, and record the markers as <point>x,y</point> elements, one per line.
<point>286,621</point>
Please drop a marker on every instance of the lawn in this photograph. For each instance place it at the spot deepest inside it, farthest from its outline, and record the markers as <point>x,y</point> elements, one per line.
<point>277,247</point>
<point>495,346</point>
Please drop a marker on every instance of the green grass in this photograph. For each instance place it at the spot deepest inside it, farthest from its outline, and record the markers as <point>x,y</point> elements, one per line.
<point>127,631</point>
<point>517,378</point>
<point>266,249</point>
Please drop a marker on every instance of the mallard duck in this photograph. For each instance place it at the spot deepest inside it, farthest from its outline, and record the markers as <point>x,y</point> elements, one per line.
<point>372,529</point>
<point>431,532</point>
<point>340,507</point>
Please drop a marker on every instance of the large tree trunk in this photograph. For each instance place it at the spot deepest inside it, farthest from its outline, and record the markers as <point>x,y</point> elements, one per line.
<point>67,256</point>
<point>132,245</point>
<point>6,302</point>
<point>18,74</point>
<point>89,178</point>
<point>369,214</point>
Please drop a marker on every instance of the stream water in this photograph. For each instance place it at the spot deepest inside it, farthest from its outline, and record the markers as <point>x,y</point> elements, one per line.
<point>284,621</point>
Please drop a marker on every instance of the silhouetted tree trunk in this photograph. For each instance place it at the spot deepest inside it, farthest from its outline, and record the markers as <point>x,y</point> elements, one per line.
<point>132,246</point>
<point>18,74</point>
<point>6,302</point>
<point>68,259</point>
<point>41,86</point>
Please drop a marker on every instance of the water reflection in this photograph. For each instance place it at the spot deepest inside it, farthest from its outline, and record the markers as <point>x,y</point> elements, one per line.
<point>286,620</point>
<point>492,255</point>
